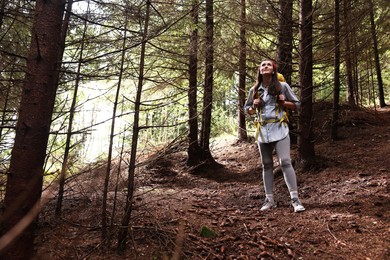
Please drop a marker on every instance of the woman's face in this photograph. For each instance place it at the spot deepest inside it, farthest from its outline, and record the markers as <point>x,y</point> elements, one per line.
<point>266,67</point>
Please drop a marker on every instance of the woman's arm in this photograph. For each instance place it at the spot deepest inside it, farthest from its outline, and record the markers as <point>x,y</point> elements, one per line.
<point>285,103</point>
<point>288,99</point>
<point>248,107</point>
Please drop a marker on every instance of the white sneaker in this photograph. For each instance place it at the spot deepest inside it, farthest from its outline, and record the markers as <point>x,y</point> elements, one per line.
<point>297,205</point>
<point>268,205</point>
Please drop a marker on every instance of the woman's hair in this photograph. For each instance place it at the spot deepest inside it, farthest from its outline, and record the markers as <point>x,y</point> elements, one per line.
<point>274,86</point>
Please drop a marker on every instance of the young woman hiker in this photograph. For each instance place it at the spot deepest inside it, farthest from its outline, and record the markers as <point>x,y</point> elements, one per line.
<point>269,99</point>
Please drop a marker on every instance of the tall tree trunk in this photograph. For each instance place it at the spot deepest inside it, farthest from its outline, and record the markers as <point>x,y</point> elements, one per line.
<point>356,71</point>
<point>117,178</point>
<point>64,166</point>
<point>370,80</point>
<point>112,135</point>
<point>285,39</point>
<point>306,152</point>
<point>2,11</point>
<point>336,78</point>
<point>348,58</point>
<point>242,133</point>
<point>25,175</point>
<point>4,117</point>
<point>285,47</point>
<point>381,94</point>
<point>123,231</point>
<point>208,84</point>
<point>193,145</point>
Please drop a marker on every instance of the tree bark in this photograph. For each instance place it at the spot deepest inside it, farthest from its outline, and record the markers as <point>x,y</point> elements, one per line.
<point>285,39</point>
<point>208,80</point>
<point>285,48</point>
<point>348,58</point>
<point>336,77</point>
<point>208,84</point>
<point>25,175</point>
<point>2,11</point>
<point>64,165</point>
<point>381,94</point>
<point>356,73</point>
<point>4,117</point>
<point>123,230</point>
<point>306,152</point>
<point>193,144</point>
<point>112,135</point>
<point>242,133</point>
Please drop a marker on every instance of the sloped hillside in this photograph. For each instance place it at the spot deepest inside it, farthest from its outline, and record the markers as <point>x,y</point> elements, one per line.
<point>215,214</point>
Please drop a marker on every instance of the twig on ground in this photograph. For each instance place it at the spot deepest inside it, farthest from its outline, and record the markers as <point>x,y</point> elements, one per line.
<point>338,241</point>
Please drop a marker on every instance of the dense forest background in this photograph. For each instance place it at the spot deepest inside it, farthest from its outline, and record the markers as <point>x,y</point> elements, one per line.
<point>92,82</point>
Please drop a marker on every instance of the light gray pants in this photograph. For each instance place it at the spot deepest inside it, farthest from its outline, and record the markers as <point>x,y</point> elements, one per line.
<point>282,148</point>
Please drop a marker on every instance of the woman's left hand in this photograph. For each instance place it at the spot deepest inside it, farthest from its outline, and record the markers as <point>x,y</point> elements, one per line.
<point>281,99</point>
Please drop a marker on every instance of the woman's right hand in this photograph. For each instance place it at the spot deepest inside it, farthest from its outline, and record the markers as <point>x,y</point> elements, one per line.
<point>257,103</point>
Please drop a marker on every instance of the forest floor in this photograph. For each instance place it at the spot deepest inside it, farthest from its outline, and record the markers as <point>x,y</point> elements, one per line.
<point>215,214</point>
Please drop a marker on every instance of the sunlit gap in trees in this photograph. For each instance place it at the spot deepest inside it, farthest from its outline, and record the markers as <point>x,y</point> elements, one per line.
<point>91,127</point>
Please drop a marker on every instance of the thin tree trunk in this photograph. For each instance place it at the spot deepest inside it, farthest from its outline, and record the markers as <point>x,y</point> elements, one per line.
<point>2,12</point>
<point>208,84</point>
<point>242,133</point>
<point>306,152</point>
<point>112,135</point>
<point>370,80</point>
<point>381,94</point>
<point>25,175</point>
<point>118,174</point>
<point>71,112</point>
<point>285,48</point>
<point>285,39</point>
<point>123,231</point>
<point>193,146</point>
<point>5,109</point>
<point>348,58</point>
<point>355,74</point>
<point>336,78</point>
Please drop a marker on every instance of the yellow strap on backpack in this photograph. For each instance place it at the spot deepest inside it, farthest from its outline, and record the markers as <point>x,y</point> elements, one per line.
<point>260,122</point>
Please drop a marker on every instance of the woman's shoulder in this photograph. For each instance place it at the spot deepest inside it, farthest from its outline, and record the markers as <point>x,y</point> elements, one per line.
<point>284,85</point>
